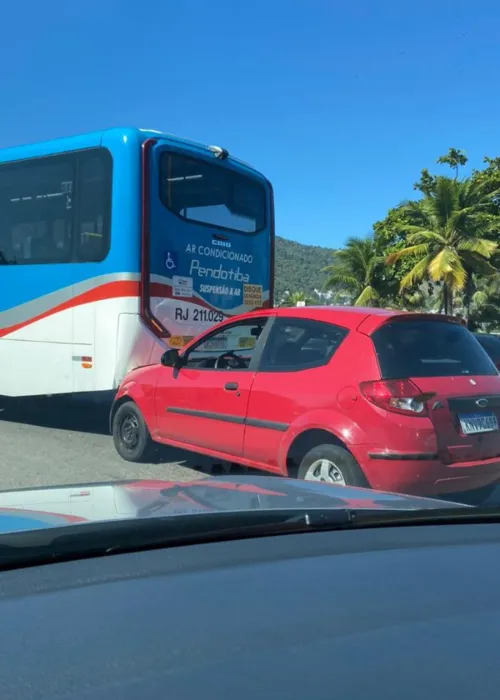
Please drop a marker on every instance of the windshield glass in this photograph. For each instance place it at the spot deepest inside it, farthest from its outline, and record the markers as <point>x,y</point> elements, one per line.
<point>294,276</point>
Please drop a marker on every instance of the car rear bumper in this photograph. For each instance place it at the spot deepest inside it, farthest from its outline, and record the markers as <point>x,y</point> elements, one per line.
<point>423,474</point>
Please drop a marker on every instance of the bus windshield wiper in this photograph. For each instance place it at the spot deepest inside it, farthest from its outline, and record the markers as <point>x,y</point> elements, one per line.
<point>87,540</point>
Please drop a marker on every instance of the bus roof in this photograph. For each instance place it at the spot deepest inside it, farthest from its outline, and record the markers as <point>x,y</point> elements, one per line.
<point>96,138</point>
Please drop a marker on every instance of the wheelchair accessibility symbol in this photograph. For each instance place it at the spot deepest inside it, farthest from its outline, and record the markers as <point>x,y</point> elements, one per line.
<point>170,260</point>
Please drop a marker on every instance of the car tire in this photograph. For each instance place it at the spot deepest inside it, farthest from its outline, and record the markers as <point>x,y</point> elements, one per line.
<point>131,435</point>
<point>331,464</point>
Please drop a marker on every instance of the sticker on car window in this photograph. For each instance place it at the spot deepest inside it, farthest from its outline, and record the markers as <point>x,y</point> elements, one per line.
<point>246,342</point>
<point>219,343</point>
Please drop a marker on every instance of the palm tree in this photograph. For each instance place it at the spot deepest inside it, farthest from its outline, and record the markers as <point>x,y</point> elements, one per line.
<point>487,292</point>
<point>414,300</point>
<point>484,306</point>
<point>292,299</point>
<point>355,268</point>
<point>449,240</point>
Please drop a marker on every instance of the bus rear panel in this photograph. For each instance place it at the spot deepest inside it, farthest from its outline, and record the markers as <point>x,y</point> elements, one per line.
<point>210,233</point>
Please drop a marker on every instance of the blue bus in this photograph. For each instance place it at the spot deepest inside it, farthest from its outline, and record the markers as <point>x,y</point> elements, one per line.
<point>116,244</point>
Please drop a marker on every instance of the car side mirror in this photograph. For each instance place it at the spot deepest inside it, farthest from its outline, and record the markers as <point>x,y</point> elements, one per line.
<point>171,358</point>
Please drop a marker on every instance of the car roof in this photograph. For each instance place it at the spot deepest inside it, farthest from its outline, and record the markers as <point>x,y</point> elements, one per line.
<point>347,316</point>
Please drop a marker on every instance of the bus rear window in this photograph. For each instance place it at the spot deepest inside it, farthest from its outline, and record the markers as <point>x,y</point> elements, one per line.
<point>429,349</point>
<point>213,195</point>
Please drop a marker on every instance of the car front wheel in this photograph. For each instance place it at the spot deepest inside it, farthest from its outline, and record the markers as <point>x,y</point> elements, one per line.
<point>131,435</point>
<point>331,464</point>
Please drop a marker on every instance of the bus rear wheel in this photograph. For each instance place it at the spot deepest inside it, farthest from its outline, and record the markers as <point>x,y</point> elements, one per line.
<point>131,435</point>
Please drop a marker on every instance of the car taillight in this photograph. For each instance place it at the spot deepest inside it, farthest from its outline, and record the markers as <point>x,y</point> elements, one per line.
<point>397,395</point>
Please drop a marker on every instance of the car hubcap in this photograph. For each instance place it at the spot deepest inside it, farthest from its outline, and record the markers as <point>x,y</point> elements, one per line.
<point>129,432</point>
<point>325,471</point>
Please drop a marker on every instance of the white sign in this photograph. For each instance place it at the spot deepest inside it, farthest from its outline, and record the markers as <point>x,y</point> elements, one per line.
<point>182,286</point>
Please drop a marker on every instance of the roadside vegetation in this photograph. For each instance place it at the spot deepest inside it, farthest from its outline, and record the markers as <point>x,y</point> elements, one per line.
<point>439,252</point>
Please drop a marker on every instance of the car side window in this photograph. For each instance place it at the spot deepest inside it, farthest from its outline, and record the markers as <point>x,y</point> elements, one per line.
<point>296,344</point>
<point>232,347</point>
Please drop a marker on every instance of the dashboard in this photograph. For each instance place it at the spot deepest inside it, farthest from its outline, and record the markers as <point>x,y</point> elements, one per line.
<point>379,613</point>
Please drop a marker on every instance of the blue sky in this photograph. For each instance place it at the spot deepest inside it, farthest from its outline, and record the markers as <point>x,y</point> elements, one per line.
<point>339,105</point>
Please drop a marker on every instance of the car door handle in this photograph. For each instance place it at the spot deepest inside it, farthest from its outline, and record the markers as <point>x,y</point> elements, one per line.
<point>231,386</point>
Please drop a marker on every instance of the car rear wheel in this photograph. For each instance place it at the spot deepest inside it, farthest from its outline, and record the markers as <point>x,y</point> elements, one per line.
<point>331,464</point>
<point>131,435</point>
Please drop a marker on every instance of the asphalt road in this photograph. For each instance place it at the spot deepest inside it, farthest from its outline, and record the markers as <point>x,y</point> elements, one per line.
<point>47,443</point>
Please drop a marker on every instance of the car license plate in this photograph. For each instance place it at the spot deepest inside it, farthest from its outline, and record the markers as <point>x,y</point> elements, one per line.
<point>478,423</point>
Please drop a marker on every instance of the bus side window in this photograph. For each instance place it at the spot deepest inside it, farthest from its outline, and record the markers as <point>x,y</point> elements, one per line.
<point>39,202</point>
<point>36,211</point>
<point>94,206</point>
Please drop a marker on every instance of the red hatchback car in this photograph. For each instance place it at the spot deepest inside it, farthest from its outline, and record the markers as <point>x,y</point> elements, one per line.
<point>353,396</point>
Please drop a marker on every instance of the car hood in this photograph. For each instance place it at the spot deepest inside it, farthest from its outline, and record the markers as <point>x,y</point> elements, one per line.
<point>32,509</point>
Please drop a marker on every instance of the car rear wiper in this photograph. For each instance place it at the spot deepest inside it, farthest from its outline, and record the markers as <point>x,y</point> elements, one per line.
<point>88,540</point>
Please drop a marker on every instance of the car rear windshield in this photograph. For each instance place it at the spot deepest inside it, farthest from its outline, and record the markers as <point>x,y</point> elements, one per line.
<point>429,349</point>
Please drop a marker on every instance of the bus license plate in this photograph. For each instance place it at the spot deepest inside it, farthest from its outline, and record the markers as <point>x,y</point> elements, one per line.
<point>478,423</point>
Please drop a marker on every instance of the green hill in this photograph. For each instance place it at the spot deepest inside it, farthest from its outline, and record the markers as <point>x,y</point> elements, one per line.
<point>298,267</point>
